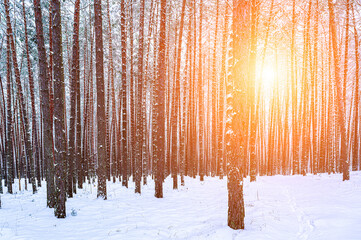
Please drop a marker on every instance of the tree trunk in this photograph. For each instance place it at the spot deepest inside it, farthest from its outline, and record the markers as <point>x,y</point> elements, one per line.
<point>140,111</point>
<point>75,78</point>
<point>341,113</point>
<point>23,109</point>
<point>252,92</point>
<point>101,121</point>
<point>33,111</point>
<point>9,122</point>
<point>159,110</point>
<point>59,110</point>
<point>47,118</point>
<point>355,148</point>
<point>237,114</point>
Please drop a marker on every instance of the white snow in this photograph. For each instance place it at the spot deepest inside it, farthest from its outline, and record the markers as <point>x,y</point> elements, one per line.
<point>278,207</point>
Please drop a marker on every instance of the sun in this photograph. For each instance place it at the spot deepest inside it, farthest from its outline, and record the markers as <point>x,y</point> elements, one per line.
<point>268,77</point>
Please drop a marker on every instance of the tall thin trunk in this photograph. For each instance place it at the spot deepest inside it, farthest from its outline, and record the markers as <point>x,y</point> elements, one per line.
<point>23,109</point>
<point>33,111</point>
<point>295,137</point>
<point>252,91</point>
<point>75,78</point>
<point>221,105</point>
<point>341,116</point>
<point>355,148</point>
<point>176,102</point>
<point>140,111</point>
<point>9,122</point>
<point>201,100</point>
<point>123,97</point>
<point>215,133</point>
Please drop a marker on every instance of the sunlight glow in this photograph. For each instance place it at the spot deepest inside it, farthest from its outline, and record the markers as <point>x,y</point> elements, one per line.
<point>268,77</point>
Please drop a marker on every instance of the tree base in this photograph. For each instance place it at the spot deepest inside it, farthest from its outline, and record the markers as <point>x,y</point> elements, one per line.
<point>236,211</point>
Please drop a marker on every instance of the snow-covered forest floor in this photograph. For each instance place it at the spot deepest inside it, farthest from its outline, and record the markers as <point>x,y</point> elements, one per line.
<point>278,207</point>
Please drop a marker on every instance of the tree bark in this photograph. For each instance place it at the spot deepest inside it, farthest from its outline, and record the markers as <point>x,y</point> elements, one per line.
<point>101,121</point>
<point>341,116</point>
<point>59,110</point>
<point>159,110</point>
<point>23,109</point>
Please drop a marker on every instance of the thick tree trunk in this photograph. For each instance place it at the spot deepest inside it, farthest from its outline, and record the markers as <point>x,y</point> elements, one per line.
<point>159,110</point>
<point>101,121</point>
<point>59,110</point>
<point>47,118</point>
<point>237,114</point>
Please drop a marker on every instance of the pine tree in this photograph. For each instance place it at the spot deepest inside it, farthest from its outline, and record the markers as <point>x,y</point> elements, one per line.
<point>140,110</point>
<point>75,78</point>
<point>159,124</point>
<point>59,109</point>
<point>237,115</point>
<point>355,146</point>
<point>9,122</point>
<point>341,113</point>
<point>23,109</point>
<point>123,96</point>
<point>252,92</point>
<point>45,87</point>
<point>32,96</point>
<point>101,121</point>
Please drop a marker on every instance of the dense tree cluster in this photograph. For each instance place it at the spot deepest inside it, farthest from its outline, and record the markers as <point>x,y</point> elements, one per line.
<point>122,89</point>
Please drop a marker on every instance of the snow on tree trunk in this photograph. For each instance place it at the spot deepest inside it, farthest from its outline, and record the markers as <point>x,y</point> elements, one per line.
<point>101,121</point>
<point>59,110</point>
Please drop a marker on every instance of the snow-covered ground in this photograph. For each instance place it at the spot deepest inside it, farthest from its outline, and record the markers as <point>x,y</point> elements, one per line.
<point>278,207</point>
